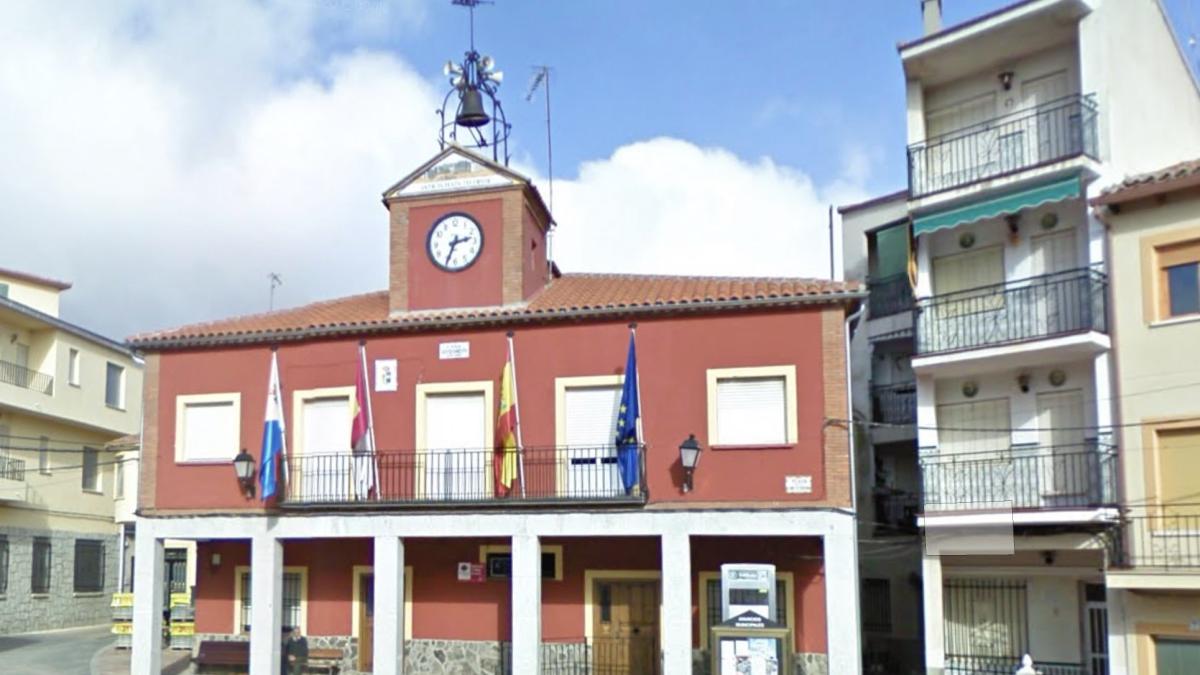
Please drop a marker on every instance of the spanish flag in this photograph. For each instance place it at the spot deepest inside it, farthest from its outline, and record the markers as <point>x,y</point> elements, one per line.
<point>504,460</point>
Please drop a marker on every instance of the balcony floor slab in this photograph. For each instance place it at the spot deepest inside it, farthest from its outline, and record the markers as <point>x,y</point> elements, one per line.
<point>1154,579</point>
<point>1029,354</point>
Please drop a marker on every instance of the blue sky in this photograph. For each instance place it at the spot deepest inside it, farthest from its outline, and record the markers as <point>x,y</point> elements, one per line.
<point>167,156</point>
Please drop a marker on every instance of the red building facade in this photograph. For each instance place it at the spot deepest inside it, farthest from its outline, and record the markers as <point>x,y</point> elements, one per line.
<point>573,570</point>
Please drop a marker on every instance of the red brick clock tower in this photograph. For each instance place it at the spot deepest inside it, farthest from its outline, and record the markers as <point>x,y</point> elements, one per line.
<point>465,232</point>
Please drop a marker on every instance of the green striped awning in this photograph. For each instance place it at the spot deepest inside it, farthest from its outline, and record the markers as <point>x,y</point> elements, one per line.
<point>1000,205</point>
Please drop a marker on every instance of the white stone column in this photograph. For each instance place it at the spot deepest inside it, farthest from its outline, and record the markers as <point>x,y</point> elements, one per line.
<point>1118,652</point>
<point>526,592</point>
<point>843,628</point>
<point>931,592</point>
<point>266,604</point>
<point>388,640</point>
<point>676,637</point>
<point>147,601</point>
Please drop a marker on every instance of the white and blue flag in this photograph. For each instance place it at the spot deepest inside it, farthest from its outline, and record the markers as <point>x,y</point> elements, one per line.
<point>273,448</point>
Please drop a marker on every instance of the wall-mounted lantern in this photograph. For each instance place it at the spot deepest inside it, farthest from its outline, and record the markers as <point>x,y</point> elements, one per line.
<point>1023,382</point>
<point>689,457</point>
<point>1006,78</point>
<point>243,466</point>
<point>215,561</point>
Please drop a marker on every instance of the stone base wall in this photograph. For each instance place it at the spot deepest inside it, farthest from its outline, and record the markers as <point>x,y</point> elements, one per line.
<point>805,663</point>
<point>457,657</point>
<point>22,612</point>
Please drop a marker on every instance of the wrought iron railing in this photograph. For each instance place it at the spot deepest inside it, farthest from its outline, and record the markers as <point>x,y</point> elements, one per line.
<point>958,664</point>
<point>895,403</point>
<point>12,468</point>
<point>1017,311</point>
<point>1160,536</point>
<point>1031,478</point>
<point>466,477</point>
<point>889,295</point>
<point>1024,139</point>
<point>20,376</point>
<point>895,511</point>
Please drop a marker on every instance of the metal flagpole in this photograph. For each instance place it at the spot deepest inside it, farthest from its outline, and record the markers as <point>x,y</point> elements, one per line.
<point>512,359</point>
<point>362,353</point>
<point>638,382</point>
<point>283,453</point>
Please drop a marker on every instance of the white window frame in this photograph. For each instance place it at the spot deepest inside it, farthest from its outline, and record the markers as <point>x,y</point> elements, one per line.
<point>184,400</point>
<point>74,361</point>
<point>120,404</point>
<point>561,454</point>
<point>241,570</point>
<point>489,415</point>
<point>97,486</point>
<point>787,372</point>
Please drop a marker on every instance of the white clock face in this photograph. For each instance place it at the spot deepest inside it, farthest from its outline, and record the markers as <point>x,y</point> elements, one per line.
<point>455,242</point>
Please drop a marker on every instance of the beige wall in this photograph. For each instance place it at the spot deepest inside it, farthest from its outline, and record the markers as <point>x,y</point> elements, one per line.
<point>57,500</point>
<point>1157,372</point>
<point>42,298</point>
<point>1158,614</point>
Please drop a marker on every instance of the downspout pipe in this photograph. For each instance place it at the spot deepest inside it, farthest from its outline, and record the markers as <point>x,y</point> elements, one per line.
<point>850,324</point>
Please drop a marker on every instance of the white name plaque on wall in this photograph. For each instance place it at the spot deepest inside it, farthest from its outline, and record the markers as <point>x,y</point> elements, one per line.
<point>454,350</point>
<point>385,375</point>
<point>797,485</point>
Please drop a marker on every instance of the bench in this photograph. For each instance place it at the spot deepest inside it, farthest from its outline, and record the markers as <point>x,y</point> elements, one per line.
<point>325,660</point>
<point>223,655</point>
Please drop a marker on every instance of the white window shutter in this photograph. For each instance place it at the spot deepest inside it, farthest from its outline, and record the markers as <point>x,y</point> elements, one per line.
<point>591,415</point>
<point>210,431</point>
<point>456,422</point>
<point>752,411</point>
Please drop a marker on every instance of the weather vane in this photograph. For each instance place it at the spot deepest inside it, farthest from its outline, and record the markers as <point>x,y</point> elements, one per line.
<point>473,80</point>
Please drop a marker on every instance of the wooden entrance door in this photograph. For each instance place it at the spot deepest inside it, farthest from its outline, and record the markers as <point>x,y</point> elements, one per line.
<point>625,617</point>
<point>366,621</point>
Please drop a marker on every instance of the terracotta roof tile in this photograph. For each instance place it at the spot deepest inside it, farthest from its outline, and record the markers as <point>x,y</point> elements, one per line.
<point>1152,182</point>
<point>571,296</point>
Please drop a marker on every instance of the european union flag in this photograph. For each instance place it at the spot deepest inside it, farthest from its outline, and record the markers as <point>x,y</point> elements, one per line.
<point>627,416</point>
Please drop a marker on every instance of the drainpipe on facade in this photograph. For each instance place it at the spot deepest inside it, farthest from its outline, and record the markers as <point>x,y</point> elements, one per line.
<point>862,308</point>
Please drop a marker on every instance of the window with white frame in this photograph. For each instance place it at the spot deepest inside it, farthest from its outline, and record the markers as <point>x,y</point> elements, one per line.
<point>114,386</point>
<point>91,470</point>
<point>456,440</point>
<point>207,427</point>
<point>752,406</point>
<point>589,408</point>
<point>44,455</point>
<point>73,366</point>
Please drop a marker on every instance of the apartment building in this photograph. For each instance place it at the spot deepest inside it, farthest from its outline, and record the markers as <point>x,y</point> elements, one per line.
<point>590,559</point>
<point>1015,118</point>
<point>1154,578</point>
<point>65,392</point>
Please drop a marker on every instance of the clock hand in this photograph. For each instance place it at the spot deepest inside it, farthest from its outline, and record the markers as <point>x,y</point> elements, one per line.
<point>454,243</point>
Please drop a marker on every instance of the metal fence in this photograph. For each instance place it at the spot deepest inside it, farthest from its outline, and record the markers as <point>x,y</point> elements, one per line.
<point>20,376</point>
<point>452,476</point>
<point>12,468</point>
<point>1041,477</point>
<point>1043,134</point>
<point>895,403</point>
<point>889,295</point>
<point>1038,307</point>
<point>1160,536</point>
<point>958,664</point>
<point>986,623</point>
<point>895,512</point>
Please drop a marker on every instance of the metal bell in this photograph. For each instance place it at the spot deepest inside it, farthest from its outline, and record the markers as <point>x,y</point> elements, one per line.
<point>470,110</point>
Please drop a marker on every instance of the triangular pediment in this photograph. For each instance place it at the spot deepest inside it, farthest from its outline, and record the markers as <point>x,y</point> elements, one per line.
<point>454,169</point>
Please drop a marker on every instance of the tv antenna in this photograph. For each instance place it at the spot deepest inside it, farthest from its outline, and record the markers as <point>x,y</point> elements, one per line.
<point>541,75</point>
<point>275,281</point>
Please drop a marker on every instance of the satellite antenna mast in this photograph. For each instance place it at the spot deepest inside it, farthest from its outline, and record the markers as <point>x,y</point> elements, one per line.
<point>275,281</point>
<point>542,75</point>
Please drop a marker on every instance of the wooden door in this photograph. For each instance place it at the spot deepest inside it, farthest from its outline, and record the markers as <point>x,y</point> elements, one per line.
<point>366,621</point>
<point>625,617</point>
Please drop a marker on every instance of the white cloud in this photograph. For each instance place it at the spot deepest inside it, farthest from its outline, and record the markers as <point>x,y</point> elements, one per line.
<point>668,206</point>
<point>166,156</point>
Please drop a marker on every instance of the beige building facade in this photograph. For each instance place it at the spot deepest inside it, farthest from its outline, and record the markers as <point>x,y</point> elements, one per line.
<point>1154,577</point>
<point>65,393</point>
